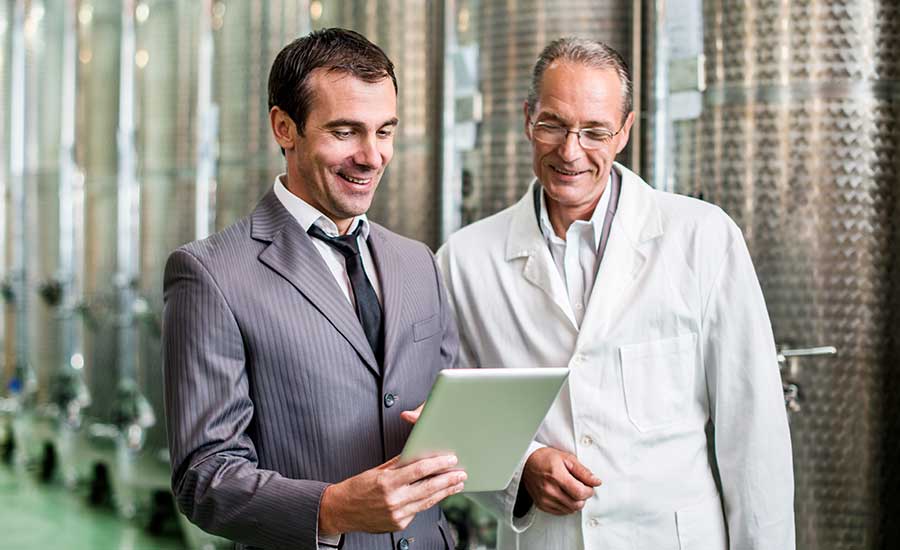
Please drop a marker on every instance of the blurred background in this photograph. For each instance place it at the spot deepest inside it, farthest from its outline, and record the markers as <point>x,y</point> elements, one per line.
<point>130,127</point>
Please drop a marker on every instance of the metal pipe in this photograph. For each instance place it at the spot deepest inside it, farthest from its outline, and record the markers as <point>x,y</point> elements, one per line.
<point>207,130</point>
<point>23,378</point>
<point>127,190</point>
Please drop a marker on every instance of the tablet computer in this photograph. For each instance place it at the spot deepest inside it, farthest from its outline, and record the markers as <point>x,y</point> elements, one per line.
<point>487,417</point>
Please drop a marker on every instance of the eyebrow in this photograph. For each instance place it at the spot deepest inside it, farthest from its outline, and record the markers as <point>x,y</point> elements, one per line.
<point>350,123</point>
<point>545,115</point>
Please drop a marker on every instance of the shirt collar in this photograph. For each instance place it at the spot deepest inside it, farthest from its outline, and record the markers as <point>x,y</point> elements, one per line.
<point>307,215</point>
<point>595,222</point>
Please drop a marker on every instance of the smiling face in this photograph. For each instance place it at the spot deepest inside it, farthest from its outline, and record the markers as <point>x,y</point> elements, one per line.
<point>348,140</point>
<point>576,96</point>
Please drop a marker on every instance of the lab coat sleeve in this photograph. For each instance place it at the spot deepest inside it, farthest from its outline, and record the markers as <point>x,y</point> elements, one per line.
<point>499,504</point>
<point>752,440</point>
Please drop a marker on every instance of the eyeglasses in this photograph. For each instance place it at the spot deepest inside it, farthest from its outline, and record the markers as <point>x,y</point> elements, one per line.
<point>588,138</point>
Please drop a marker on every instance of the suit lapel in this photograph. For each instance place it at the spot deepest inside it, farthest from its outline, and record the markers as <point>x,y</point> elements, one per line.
<point>389,264</point>
<point>292,255</point>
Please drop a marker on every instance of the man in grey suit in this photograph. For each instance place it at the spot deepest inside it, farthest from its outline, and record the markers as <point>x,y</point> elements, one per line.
<point>293,338</point>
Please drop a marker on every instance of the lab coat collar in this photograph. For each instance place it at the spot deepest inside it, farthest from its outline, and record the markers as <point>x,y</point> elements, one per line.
<point>637,221</point>
<point>637,217</point>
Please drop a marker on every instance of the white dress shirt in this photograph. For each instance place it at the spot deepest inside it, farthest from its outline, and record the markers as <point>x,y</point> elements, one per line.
<point>576,256</point>
<point>307,215</point>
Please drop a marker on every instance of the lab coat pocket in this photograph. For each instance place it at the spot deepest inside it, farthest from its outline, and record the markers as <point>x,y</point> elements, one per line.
<point>657,379</point>
<point>701,526</point>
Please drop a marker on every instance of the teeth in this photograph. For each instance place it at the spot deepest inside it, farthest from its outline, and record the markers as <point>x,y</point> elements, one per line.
<point>566,172</point>
<point>354,180</point>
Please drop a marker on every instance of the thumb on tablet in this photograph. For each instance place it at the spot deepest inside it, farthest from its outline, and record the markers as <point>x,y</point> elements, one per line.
<point>412,416</point>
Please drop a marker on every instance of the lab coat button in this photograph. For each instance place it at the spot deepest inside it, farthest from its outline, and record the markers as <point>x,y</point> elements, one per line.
<point>587,440</point>
<point>594,522</point>
<point>389,400</point>
<point>578,359</point>
<point>578,306</point>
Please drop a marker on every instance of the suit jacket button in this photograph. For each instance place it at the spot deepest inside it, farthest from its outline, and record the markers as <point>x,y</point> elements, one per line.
<point>389,400</point>
<point>403,544</point>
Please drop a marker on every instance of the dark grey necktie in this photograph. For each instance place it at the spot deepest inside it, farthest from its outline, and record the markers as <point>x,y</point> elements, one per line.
<point>368,309</point>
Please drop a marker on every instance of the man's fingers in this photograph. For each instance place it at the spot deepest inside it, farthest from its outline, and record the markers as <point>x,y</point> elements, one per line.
<point>555,507</point>
<point>412,416</point>
<point>424,499</point>
<point>425,467</point>
<point>580,472</point>
<point>560,498</point>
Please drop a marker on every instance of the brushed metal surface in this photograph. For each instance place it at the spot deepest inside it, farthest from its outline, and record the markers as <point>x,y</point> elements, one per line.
<point>799,142</point>
<point>166,122</point>
<point>510,37</point>
<point>96,130</point>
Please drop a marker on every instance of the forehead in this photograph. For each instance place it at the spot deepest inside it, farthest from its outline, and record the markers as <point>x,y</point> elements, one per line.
<point>577,92</point>
<point>338,94</point>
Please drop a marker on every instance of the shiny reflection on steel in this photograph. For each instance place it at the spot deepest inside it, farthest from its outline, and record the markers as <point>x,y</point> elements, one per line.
<point>799,142</point>
<point>69,393</point>
<point>130,410</point>
<point>23,382</point>
<point>207,129</point>
<point>5,58</point>
<point>789,364</point>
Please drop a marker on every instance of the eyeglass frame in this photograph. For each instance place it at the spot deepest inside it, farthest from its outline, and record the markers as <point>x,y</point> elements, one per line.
<point>578,134</point>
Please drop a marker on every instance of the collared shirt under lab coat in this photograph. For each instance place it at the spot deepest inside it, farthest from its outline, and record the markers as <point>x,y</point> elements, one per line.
<point>576,256</point>
<point>675,335</point>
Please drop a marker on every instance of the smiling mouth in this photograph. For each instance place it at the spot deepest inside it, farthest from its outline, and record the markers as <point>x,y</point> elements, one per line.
<point>567,172</point>
<point>357,181</point>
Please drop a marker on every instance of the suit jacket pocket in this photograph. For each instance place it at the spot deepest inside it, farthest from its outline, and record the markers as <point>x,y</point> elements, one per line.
<point>657,380</point>
<point>701,526</point>
<point>427,328</point>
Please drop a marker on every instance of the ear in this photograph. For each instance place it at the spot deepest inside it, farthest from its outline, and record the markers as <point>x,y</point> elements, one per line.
<point>283,128</point>
<point>625,133</point>
<point>527,120</point>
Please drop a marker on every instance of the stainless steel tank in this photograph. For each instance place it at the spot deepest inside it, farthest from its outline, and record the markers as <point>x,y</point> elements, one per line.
<point>44,64</point>
<point>799,142</point>
<point>510,37</point>
<point>408,197</point>
<point>247,37</point>
<point>100,31</point>
<point>167,36</point>
<point>6,22</point>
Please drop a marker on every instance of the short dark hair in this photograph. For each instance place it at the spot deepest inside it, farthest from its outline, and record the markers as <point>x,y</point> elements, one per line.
<point>592,53</point>
<point>333,49</point>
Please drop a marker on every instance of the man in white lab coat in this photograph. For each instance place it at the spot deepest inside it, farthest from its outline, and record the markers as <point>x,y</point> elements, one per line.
<point>671,432</point>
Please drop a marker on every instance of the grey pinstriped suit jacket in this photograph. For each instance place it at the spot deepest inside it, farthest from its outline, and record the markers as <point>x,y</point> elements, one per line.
<point>272,390</point>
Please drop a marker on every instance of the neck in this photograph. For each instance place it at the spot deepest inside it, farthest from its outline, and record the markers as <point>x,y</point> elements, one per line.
<point>561,217</point>
<point>343,225</point>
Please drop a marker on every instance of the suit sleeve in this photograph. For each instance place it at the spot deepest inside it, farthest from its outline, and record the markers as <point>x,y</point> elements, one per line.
<point>216,479</point>
<point>752,440</point>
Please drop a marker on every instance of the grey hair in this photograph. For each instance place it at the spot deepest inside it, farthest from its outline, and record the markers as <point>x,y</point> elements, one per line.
<point>592,53</point>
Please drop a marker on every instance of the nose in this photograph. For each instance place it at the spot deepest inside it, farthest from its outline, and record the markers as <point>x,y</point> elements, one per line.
<point>368,154</point>
<point>570,149</point>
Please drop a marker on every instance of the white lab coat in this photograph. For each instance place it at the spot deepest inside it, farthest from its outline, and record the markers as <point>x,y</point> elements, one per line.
<point>675,337</point>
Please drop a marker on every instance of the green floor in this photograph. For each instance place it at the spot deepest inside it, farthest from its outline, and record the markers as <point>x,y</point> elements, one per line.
<point>42,517</point>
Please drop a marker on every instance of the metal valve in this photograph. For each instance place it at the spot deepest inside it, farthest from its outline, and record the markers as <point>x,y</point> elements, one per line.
<point>789,364</point>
